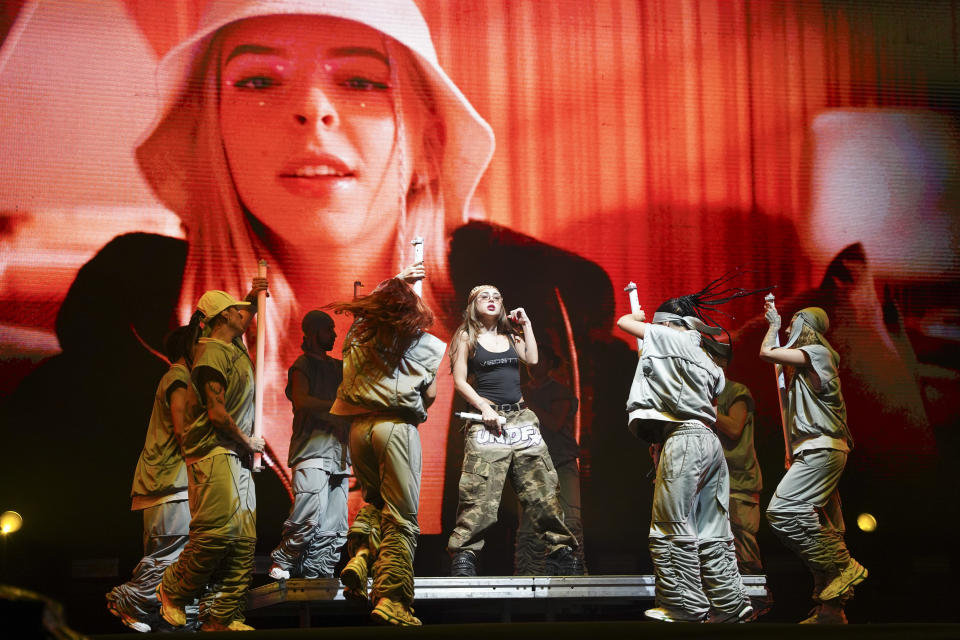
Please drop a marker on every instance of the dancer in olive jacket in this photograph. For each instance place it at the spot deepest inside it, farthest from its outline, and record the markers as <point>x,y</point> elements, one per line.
<point>389,380</point>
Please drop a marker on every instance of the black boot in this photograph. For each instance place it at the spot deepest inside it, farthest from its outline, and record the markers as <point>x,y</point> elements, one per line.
<point>464,564</point>
<point>562,562</point>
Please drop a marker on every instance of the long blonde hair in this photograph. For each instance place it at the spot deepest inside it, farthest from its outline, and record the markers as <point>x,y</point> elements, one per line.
<point>808,336</point>
<point>472,326</point>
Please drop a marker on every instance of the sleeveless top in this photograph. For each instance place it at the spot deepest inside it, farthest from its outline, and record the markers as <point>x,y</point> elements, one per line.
<point>318,440</point>
<point>496,374</point>
<point>740,454</point>
<point>818,419</point>
<point>161,474</point>
<point>232,362</point>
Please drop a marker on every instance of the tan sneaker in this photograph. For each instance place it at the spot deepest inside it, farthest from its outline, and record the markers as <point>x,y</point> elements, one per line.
<point>170,612</point>
<point>236,625</point>
<point>392,612</point>
<point>128,620</point>
<point>853,574</point>
<point>354,578</point>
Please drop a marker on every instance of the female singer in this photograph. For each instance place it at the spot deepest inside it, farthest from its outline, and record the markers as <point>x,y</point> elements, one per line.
<point>489,345</point>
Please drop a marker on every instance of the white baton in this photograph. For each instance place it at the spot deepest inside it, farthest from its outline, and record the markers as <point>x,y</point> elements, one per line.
<point>258,375</point>
<point>631,290</point>
<point>476,417</point>
<point>418,257</point>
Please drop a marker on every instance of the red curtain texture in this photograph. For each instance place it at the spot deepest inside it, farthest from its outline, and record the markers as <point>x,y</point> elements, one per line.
<point>671,123</point>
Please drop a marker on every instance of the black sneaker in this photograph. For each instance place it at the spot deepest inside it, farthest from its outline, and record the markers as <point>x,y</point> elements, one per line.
<point>562,562</point>
<point>464,564</point>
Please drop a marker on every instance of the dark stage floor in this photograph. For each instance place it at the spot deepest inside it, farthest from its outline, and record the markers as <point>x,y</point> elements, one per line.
<point>611,607</point>
<point>596,630</point>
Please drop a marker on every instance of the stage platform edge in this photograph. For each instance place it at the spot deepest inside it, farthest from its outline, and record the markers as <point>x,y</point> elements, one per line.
<point>326,594</point>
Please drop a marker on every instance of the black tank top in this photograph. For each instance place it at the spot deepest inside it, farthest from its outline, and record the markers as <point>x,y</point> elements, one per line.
<point>496,374</point>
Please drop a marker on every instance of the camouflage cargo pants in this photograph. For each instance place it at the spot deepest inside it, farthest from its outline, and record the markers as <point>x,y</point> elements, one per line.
<point>530,553</point>
<point>488,459</point>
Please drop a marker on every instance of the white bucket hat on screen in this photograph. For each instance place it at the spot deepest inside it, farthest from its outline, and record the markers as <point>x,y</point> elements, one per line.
<point>469,140</point>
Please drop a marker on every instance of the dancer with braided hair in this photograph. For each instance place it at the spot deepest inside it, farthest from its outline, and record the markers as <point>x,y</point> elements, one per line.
<point>672,405</point>
<point>390,368</point>
<point>805,508</point>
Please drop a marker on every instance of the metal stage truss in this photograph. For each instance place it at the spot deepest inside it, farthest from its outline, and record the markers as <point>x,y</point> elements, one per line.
<point>506,594</point>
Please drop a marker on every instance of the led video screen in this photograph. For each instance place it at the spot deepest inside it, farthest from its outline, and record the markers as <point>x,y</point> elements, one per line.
<point>557,150</point>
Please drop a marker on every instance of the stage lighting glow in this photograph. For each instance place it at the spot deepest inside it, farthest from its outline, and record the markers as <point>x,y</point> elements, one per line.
<point>866,522</point>
<point>10,521</point>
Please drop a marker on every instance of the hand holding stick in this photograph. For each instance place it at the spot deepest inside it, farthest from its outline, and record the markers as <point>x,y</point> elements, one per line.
<point>412,274</point>
<point>770,312</point>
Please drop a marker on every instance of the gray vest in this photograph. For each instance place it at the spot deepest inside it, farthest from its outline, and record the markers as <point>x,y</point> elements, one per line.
<point>740,454</point>
<point>818,417</point>
<point>675,381</point>
<point>319,438</point>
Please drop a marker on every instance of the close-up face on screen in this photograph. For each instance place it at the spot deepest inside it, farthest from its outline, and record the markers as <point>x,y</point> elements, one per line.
<point>551,151</point>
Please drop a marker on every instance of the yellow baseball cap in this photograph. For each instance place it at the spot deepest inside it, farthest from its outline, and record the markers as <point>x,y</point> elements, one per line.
<point>214,301</point>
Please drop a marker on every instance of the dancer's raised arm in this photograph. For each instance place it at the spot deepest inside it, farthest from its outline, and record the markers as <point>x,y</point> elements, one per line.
<point>770,351</point>
<point>634,323</point>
